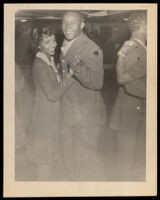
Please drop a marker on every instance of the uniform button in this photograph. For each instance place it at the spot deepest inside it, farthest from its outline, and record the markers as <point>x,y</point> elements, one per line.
<point>138,108</point>
<point>63,61</point>
<point>63,70</point>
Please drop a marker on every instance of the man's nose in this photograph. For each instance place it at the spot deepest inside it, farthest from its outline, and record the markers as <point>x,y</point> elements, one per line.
<point>68,25</point>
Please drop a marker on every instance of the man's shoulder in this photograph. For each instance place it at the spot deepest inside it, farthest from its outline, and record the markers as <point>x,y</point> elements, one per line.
<point>129,47</point>
<point>90,42</point>
<point>130,43</point>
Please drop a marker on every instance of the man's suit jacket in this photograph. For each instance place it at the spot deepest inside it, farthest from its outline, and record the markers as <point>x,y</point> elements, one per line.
<point>82,104</point>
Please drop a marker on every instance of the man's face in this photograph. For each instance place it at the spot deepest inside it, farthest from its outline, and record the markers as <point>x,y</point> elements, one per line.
<point>72,25</point>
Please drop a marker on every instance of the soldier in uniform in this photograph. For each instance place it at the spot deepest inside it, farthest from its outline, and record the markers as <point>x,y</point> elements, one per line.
<point>129,111</point>
<point>83,108</point>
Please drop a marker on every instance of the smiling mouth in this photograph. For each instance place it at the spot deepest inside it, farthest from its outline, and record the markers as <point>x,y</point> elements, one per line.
<point>52,49</point>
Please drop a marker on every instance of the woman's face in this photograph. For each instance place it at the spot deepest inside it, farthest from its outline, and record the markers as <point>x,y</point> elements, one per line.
<point>48,45</point>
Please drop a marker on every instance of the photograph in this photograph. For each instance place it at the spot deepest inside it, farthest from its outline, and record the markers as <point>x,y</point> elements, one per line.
<point>81,87</point>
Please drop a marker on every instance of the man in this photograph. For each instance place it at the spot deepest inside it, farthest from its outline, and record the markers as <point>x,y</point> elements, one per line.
<point>83,108</point>
<point>129,111</point>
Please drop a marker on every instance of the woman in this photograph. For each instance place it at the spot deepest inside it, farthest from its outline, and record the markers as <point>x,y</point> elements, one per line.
<point>44,138</point>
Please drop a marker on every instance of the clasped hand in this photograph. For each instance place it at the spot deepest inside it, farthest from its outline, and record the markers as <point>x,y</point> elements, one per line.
<point>76,64</point>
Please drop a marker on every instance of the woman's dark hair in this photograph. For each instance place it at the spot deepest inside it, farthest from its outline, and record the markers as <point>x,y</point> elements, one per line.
<point>43,32</point>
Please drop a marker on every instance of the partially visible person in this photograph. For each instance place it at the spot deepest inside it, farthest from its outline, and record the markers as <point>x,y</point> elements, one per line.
<point>43,148</point>
<point>20,131</point>
<point>23,45</point>
<point>34,39</point>
<point>24,56</point>
<point>83,108</point>
<point>129,112</point>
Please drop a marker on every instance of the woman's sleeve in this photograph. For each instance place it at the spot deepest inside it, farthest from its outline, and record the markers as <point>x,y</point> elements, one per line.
<point>51,88</point>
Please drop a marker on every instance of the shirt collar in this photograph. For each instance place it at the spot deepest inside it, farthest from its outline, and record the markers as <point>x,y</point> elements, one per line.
<point>45,58</point>
<point>67,44</point>
<point>50,63</point>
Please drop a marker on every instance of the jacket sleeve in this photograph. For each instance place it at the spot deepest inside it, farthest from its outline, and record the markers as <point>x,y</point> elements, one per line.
<point>123,76</point>
<point>51,88</point>
<point>137,72</point>
<point>137,88</point>
<point>91,73</point>
<point>134,65</point>
<point>129,67</point>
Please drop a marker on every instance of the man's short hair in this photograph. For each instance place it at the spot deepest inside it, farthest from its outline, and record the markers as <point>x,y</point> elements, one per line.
<point>136,20</point>
<point>78,12</point>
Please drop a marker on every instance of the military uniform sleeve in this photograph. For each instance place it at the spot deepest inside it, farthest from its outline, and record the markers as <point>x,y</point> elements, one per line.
<point>52,88</point>
<point>91,74</point>
<point>123,76</point>
<point>137,88</point>
<point>134,65</point>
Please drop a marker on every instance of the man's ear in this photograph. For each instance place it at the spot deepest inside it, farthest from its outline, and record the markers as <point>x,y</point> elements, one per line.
<point>82,25</point>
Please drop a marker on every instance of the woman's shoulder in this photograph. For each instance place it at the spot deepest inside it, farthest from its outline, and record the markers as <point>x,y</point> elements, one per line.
<point>40,68</point>
<point>39,62</point>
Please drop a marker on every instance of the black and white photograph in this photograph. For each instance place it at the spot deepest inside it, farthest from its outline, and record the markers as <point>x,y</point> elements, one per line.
<point>80,88</point>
